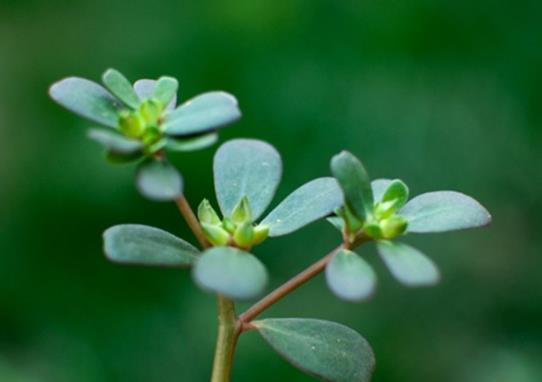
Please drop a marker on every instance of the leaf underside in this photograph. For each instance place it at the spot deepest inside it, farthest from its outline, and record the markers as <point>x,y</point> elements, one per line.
<point>350,277</point>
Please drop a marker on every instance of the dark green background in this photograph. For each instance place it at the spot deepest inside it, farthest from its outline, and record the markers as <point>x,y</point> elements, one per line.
<point>443,94</point>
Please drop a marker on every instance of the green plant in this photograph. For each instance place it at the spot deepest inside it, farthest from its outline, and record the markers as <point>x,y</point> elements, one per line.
<point>144,125</point>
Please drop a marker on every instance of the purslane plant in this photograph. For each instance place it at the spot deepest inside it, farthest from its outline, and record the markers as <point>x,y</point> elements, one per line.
<point>143,124</point>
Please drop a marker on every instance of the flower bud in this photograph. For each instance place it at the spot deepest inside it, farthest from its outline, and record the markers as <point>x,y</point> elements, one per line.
<point>372,229</point>
<point>260,234</point>
<point>206,213</point>
<point>393,226</point>
<point>228,225</point>
<point>150,111</point>
<point>242,212</point>
<point>131,125</point>
<point>244,235</point>
<point>215,234</point>
<point>385,209</point>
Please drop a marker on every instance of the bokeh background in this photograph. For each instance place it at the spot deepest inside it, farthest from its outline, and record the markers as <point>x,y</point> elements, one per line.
<point>443,94</point>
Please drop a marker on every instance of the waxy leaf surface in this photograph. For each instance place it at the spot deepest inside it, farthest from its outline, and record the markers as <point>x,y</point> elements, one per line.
<point>326,350</point>
<point>144,245</point>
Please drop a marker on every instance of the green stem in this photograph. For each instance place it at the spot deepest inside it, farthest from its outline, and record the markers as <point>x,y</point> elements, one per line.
<point>228,326</point>
<point>228,333</point>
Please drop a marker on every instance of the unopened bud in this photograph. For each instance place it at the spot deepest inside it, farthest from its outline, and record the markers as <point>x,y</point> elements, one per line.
<point>242,212</point>
<point>131,125</point>
<point>215,234</point>
<point>393,226</point>
<point>206,213</point>
<point>150,110</point>
<point>244,234</point>
<point>228,225</point>
<point>260,234</point>
<point>373,230</point>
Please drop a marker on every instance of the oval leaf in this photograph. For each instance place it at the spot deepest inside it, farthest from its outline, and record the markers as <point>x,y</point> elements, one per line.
<point>159,180</point>
<point>120,87</point>
<point>379,186</point>
<point>87,99</point>
<point>231,272</point>
<point>143,245</point>
<point>192,144</point>
<point>202,113</point>
<point>355,183</point>
<point>114,142</point>
<point>350,277</point>
<point>323,349</point>
<point>165,89</point>
<point>246,167</point>
<point>408,265</point>
<point>396,191</point>
<point>145,89</point>
<point>442,211</point>
<point>308,203</point>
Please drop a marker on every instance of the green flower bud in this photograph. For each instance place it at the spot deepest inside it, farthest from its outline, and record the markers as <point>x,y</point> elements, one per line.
<point>242,212</point>
<point>131,125</point>
<point>151,135</point>
<point>372,229</point>
<point>215,234</point>
<point>206,213</point>
<point>228,225</point>
<point>244,235</point>
<point>393,226</point>
<point>150,111</point>
<point>260,234</point>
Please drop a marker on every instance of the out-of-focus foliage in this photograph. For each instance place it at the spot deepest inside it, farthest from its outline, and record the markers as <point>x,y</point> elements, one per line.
<point>444,95</point>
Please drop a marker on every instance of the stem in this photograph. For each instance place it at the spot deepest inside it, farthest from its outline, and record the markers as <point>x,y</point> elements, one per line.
<point>228,326</point>
<point>228,333</point>
<point>191,220</point>
<point>286,288</point>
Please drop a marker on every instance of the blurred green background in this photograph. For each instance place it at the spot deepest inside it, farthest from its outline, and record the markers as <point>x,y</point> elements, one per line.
<point>443,94</point>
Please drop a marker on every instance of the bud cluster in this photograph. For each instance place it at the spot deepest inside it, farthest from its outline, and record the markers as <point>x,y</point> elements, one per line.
<point>237,230</point>
<point>382,222</point>
<point>144,124</point>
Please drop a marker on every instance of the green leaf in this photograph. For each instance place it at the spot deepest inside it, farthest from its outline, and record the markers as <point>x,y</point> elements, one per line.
<point>246,167</point>
<point>165,89</point>
<point>159,180</point>
<point>145,90</point>
<point>350,277</point>
<point>87,99</point>
<point>397,192</point>
<point>310,202</point>
<point>192,143</point>
<point>231,272</point>
<point>379,186</point>
<point>323,349</point>
<point>355,183</point>
<point>120,87</point>
<point>442,211</point>
<point>114,142</point>
<point>144,245</point>
<point>407,264</point>
<point>205,112</point>
<point>337,222</point>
